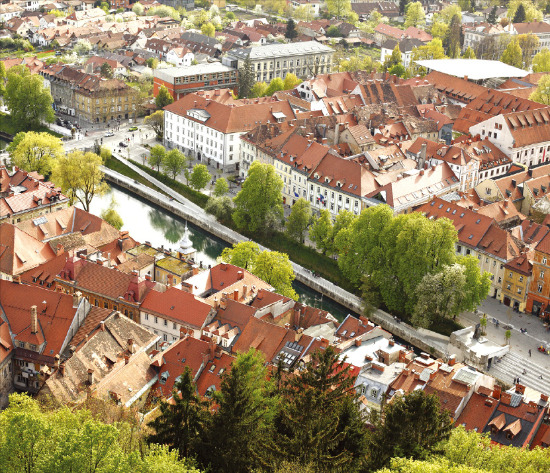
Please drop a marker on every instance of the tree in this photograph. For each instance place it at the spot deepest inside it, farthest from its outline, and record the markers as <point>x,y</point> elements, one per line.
<point>532,13</point>
<point>208,29</point>
<point>221,187</point>
<point>82,47</point>
<point>291,81</point>
<point>259,89</point>
<point>512,55</point>
<point>394,59</point>
<point>182,422</point>
<point>3,76</point>
<point>235,440</point>
<point>79,176</point>
<point>156,122</point>
<point>528,43</point>
<point>157,157</point>
<point>163,98</point>
<point>519,16</point>
<point>432,50</point>
<point>259,204</point>
<point>106,70</point>
<point>299,219</point>
<point>412,425</point>
<point>138,9</point>
<point>291,31</point>
<point>333,32</point>
<point>469,53</point>
<point>275,85</point>
<point>320,232</point>
<point>242,254</point>
<point>29,102</point>
<point>319,423</point>
<point>542,93</point>
<point>403,4</point>
<point>303,13</point>
<point>112,217</point>
<point>174,162</point>
<point>276,269</point>
<point>339,8</point>
<point>398,70</point>
<point>152,62</point>
<point>247,78</point>
<point>220,207</point>
<point>541,61</point>
<point>199,177</point>
<point>452,41</point>
<point>415,15</point>
<point>507,336</point>
<point>492,18</point>
<point>35,151</point>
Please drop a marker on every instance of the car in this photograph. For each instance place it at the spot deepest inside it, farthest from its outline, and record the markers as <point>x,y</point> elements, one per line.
<point>133,128</point>
<point>123,145</point>
<point>58,53</point>
<point>109,133</point>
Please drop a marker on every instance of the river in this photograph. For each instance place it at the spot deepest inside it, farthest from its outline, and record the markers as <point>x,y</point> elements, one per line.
<point>146,222</point>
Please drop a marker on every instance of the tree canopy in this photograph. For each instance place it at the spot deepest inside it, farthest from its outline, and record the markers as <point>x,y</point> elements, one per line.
<point>299,219</point>
<point>541,61</point>
<point>542,93</point>
<point>174,162</point>
<point>156,122</point>
<point>415,16</point>
<point>512,55</point>
<point>291,31</point>
<point>199,177</point>
<point>35,151</point>
<point>221,187</point>
<point>163,98</point>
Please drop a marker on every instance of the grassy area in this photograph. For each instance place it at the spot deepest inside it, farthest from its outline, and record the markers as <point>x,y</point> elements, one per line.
<point>121,168</point>
<point>7,126</point>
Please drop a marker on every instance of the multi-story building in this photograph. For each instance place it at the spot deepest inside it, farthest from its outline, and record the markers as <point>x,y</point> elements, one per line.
<point>277,60</point>
<point>538,297</point>
<point>184,80</point>
<point>406,46</point>
<point>517,278</point>
<point>540,29</point>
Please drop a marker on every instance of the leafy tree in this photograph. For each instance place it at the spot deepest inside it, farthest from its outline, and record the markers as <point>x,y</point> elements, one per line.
<point>469,53</point>
<point>247,79</point>
<point>541,61</point>
<point>230,15</point>
<point>79,176</point>
<point>452,41</point>
<point>319,423</point>
<point>398,70</point>
<point>156,122</point>
<point>291,81</point>
<point>183,422</point>
<point>432,50</point>
<point>199,177</point>
<point>82,47</point>
<point>35,151</point>
<point>157,157</point>
<point>339,8</point>
<point>153,63</point>
<point>492,18</point>
<point>439,29</point>
<point>528,43</point>
<point>275,85</point>
<point>464,5</point>
<point>29,102</point>
<point>448,12</point>
<point>174,162</point>
<point>394,59</point>
<point>208,29</point>
<point>242,421</point>
<point>291,31</point>
<point>221,187</point>
<point>519,16</point>
<point>112,217</point>
<point>303,12</point>
<point>220,207</point>
<point>138,9</point>
<point>106,70</point>
<point>259,89</point>
<point>320,232</point>
<point>415,15</point>
<point>512,55</point>
<point>242,254</point>
<point>299,219</point>
<point>411,427</point>
<point>163,98</point>
<point>532,13</point>
<point>403,4</point>
<point>3,76</point>
<point>276,269</point>
<point>356,63</point>
<point>258,206</point>
<point>542,93</point>
<point>333,32</point>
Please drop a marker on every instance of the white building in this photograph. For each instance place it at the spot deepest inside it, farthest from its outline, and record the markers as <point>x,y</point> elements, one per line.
<point>406,47</point>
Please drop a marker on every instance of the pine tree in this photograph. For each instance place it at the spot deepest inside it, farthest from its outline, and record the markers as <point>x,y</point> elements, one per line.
<point>247,78</point>
<point>519,17</point>
<point>181,425</point>
<point>403,6</point>
<point>492,19</point>
<point>291,32</point>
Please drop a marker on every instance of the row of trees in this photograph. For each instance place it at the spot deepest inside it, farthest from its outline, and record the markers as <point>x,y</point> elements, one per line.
<point>261,89</point>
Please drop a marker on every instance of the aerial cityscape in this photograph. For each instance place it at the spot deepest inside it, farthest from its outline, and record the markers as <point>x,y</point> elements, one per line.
<point>275,236</point>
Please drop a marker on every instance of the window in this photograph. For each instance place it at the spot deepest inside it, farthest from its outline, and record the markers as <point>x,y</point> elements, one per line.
<point>519,290</point>
<point>541,275</point>
<point>174,326</point>
<point>544,260</point>
<point>165,337</point>
<point>146,316</point>
<point>521,279</point>
<point>539,288</point>
<point>165,322</point>
<point>508,286</point>
<point>106,305</point>
<point>511,274</point>
<point>156,320</point>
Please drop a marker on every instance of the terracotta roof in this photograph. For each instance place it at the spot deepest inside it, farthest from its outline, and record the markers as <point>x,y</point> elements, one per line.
<point>353,327</point>
<point>6,345</point>
<point>235,313</point>
<point>502,211</point>
<point>509,184</point>
<point>529,127</point>
<point>455,87</point>
<point>265,298</point>
<point>211,376</point>
<point>535,27</point>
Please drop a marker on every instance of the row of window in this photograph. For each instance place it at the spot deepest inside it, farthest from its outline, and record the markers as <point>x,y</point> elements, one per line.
<point>163,321</point>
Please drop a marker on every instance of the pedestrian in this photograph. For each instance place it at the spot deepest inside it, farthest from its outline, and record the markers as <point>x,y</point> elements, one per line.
<point>529,353</point>
<point>524,372</point>
<point>540,376</point>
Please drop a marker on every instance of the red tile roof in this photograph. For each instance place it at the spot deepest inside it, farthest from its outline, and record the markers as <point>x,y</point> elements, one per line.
<point>529,127</point>
<point>455,87</point>
<point>211,377</point>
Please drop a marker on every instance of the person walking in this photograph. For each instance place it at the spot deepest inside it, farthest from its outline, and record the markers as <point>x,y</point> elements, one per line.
<point>529,353</point>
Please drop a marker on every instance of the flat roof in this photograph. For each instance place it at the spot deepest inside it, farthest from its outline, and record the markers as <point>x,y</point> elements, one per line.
<point>475,69</point>
<point>280,50</point>
<point>170,73</point>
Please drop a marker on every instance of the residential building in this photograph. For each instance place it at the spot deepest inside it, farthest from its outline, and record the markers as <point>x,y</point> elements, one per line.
<point>459,91</point>
<point>522,136</point>
<point>517,279</point>
<point>406,46</point>
<point>169,313</point>
<point>314,5</point>
<point>184,80</point>
<point>538,297</point>
<point>277,60</point>
<point>540,29</point>
<point>9,11</point>
<point>479,33</point>
<point>364,9</point>
<point>6,364</point>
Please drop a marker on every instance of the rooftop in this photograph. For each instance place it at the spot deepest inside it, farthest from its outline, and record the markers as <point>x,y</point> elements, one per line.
<point>170,73</point>
<point>279,50</point>
<point>475,69</point>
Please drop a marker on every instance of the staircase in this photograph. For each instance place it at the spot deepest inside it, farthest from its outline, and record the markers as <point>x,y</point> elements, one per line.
<point>512,365</point>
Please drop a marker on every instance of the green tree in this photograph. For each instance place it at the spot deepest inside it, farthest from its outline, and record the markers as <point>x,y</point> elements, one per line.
<point>35,151</point>
<point>259,89</point>
<point>519,16</point>
<point>106,70</point>
<point>319,423</point>
<point>291,81</point>
<point>320,232</point>
<point>398,70</point>
<point>3,76</point>
<point>542,93</point>
<point>541,61</point>
<point>242,421</point>
<point>199,177</point>
<point>156,122</point>
<point>111,216</point>
<point>339,8</point>
<point>532,13</point>
<point>208,29</point>
<point>394,59</point>
<point>163,98</point>
<point>183,422</point>
<point>242,254</point>
<point>298,220</point>
<point>291,31</point>
<point>432,50</point>
<point>529,43</point>
<point>415,15</point>
<point>403,4</point>
<point>469,53</point>
<point>153,63</point>
<point>79,176</point>
<point>512,55</point>
<point>138,9</point>
<point>259,204</point>
<point>29,102</point>
<point>276,269</point>
<point>275,85</point>
<point>439,29</point>
<point>492,18</point>
<point>220,207</point>
<point>452,40</point>
<point>174,163</point>
<point>221,187</point>
<point>82,47</point>
<point>157,157</point>
<point>333,32</point>
<point>247,78</point>
<point>411,427</point>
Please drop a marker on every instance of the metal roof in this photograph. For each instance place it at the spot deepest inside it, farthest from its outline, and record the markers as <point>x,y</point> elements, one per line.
<point>474,69</point>
<point>280,50</point>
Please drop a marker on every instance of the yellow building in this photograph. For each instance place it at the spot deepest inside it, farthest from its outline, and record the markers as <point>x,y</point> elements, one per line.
<point>517,277</point>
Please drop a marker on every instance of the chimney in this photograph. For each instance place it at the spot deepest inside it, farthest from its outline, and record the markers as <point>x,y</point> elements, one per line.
<point>216,305</point>
<point>544,398</point>
<point>34,320</point>
<point>126,359</point>
<point>57,358</point>
<point>240,275</point>
<point>506,398</point>
<point>223,266</point>
<point>358,342</point>
<point>452,360</point>
<point>496,392</point>
<point>287,326</point>
<point>90,376</point>
<point>245,290</point>
<point>102,326</point>
<point>223,302</point>
<point>147,277</point>
<point>62,369</point>
<point>236,294</point>
<point>520,389</point>
<point>391,343</point>
<point>76,299</point>
<point>298,334</point>
<point>131,345</point>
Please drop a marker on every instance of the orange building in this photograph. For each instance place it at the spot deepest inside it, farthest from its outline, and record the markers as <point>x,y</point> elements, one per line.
<point>539,289</point>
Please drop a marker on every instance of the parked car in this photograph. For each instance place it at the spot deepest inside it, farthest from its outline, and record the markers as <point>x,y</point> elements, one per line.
<point>109,133</point>
<point>123,145</point>
<point>133,128</point>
